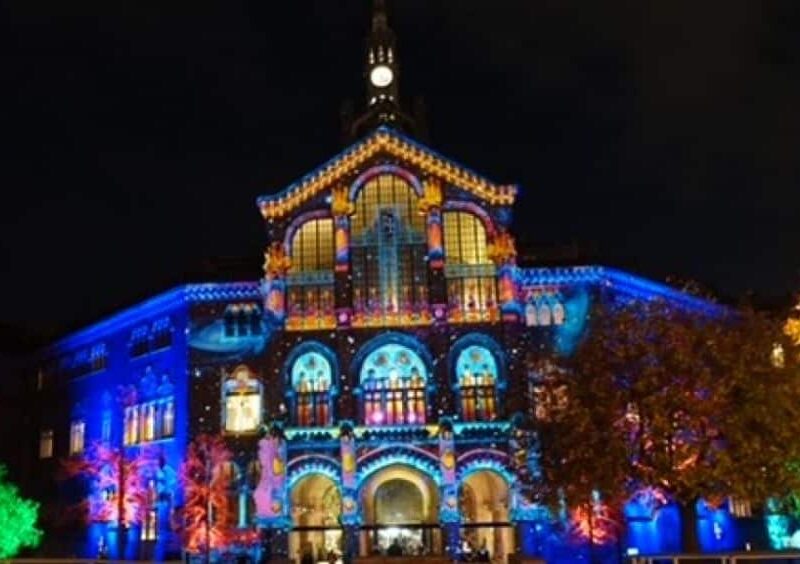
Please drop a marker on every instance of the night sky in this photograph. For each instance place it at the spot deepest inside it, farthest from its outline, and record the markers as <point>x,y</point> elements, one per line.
<point>661,136</point>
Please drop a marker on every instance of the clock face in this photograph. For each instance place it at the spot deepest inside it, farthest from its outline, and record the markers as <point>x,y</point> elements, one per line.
<point>381,76</point>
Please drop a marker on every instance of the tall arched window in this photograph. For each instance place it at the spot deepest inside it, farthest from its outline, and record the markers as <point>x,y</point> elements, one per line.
<point>476,370</point>
<point>310,280</point>
<point>393,381</point>
<point>388,254</point>
<point>311,376</point>
<point>471,285</point>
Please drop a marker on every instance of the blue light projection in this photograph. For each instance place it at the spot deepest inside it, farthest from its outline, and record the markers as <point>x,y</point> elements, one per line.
<point>309,465</point>
<point>576,311</point>
<point>413,458</point>
<point>392,361</point>
<point>717,530</point>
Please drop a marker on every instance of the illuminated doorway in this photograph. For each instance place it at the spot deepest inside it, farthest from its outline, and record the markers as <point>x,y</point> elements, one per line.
<point>316,505</point>
<point>485,517</point>
<point>401,514</point>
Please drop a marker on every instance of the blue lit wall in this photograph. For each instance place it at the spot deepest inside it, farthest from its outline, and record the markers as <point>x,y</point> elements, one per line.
<point>95,399</point>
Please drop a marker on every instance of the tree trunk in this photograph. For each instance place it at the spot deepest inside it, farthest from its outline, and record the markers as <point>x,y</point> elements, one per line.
<point>689,538</point>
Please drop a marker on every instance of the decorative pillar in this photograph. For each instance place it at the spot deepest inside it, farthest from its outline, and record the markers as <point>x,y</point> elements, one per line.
<point>341,210</point>
<point>276,265</point>
<point>503,254</point>
<point>449,512</point>
<point>350,514</point>
<point>270,494</point>
<point>431,206</point>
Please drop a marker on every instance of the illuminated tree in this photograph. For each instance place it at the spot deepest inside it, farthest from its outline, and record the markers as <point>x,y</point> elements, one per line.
<point>115,484</point>
<point>208,516</point>
<point>657,396</point>
<point>17,520</point>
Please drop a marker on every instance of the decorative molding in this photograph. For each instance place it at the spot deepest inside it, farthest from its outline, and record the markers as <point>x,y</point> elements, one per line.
<point>387,141</point>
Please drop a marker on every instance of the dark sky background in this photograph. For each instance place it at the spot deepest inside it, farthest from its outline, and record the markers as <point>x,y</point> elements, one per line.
<point>661,135</point>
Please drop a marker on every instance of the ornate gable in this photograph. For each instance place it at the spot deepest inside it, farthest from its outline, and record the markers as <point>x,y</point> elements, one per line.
<point>346,166</point>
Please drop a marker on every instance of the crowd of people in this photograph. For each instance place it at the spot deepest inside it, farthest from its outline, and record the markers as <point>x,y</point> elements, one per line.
<point>469,552</point>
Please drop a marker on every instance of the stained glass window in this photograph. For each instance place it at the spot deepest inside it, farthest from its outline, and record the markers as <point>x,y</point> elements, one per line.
<point>312,246</point>
<point>388,255</point>
<point>471,283</point>
<point>393,379</point>
<point>464,239</point>
<point>311,380</point>
<point>310,297</point>
<point>476,369</point>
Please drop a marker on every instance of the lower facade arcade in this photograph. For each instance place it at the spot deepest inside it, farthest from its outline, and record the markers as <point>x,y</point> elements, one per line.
<point>391,500</point>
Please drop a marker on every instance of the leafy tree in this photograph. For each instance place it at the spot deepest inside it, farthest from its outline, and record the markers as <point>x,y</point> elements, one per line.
<point>114,482</point>
<point>207,514</point>
<point>656,396</point>
<point>17,519</point>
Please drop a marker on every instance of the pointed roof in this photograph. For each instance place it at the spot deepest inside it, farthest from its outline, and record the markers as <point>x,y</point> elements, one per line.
<point>389,142</point>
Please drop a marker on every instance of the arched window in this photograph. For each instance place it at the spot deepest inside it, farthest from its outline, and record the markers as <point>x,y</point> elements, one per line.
<point>464,239</point>
<point>312,246</point>
<point>471,285</point>
<point>388,254</point>
<point>310,280</point>
<point>476,370</point>
<point>393,381</point>
<point>311,376</point>
<point>242,402</point>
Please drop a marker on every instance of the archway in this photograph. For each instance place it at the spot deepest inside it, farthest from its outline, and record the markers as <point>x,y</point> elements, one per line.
<point>484,503</point>
<point>401,513</point>
<point>315,505</point>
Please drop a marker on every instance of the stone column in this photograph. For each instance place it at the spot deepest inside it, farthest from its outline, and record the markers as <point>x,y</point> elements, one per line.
<point>350,511</point>
<point>341,210</point>
<point>272,512</point>
<point>503,253</point>
<point>431,206</point>
<point>276,265</point>
<point>449,511</point>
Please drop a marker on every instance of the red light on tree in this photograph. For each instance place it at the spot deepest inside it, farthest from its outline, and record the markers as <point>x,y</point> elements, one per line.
<point>206,478</point>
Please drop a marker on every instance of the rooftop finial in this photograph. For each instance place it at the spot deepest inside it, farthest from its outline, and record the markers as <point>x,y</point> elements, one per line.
<point>379,19</point>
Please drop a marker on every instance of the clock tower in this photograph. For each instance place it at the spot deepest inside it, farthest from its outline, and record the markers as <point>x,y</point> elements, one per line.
<point>382,73</point>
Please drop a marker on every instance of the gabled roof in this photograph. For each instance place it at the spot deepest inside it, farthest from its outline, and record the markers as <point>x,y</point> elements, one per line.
<point>390,142</point>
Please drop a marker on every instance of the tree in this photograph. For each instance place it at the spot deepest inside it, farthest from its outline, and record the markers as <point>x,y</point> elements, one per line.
<point>207,514</point>
<point>658,396</point>
<point>115,484</point>
<point>18,518</point>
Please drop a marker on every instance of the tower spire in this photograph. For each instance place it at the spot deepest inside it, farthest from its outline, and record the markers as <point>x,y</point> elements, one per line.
<point>382,73</point>
<point>379,18</point>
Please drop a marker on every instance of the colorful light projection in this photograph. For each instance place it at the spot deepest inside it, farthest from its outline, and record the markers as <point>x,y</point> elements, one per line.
<point>276,265</point>
<point>116,483</point>
<point>387,141</point>
<point>242,396</point>
<point>393,379</point>
<point>477,373</point>
<point>208,516</point>
<point>270,494</point>
<point>311,376</point>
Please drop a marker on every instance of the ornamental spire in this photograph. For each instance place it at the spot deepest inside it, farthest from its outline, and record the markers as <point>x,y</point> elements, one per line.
<point>382,74</point>
<point>379,19</point>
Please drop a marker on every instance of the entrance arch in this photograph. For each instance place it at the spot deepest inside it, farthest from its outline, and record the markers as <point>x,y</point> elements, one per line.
<point>316,505</point>
<point>400,507</point>
<point>484,502</point>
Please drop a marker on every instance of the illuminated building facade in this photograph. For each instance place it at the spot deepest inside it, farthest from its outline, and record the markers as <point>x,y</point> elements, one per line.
<point>367,385</point>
